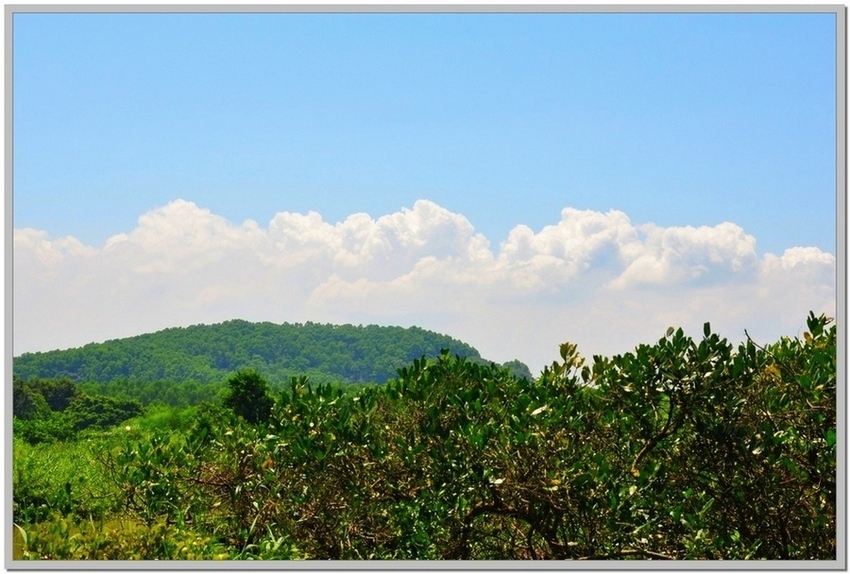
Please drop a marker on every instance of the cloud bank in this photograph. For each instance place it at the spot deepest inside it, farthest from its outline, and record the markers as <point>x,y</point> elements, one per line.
<point>593,278</point>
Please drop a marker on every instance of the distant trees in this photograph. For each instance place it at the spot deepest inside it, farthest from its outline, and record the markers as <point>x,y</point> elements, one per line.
<point>47,410</point>
<point>173,393</point>
<point>518,369</point>
<point>100,411</point>
<point>58,393</point>
<point>209,353</point>
<point>27,402</point>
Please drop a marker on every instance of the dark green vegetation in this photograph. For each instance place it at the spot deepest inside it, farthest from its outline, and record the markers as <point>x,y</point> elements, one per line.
<point>209,353</point>
<point>51,410</point>
<point>684,449</point>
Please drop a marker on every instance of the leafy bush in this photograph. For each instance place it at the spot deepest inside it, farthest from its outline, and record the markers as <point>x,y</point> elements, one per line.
<point>61,538</point>
<point>49,428</point>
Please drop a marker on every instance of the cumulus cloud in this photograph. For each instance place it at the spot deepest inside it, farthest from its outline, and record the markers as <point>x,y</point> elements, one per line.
<point>594,278</point>
<point>687,254</point>
<point>559,253</point>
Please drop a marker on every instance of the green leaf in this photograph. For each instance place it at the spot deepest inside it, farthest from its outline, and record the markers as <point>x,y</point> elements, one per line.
<point>23,534</point>
<point>830,437</point>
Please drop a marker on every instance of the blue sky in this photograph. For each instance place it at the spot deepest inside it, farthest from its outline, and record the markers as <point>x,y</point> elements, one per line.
<point>674,119</point>
<point>677,163</point>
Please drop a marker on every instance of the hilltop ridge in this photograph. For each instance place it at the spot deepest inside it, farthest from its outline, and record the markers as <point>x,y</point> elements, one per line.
<point>208,353</point>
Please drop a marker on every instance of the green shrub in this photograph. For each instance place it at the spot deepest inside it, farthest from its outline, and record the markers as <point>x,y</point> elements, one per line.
<point>47,429</point>
<point>61,538</point>
<point>64,477</point>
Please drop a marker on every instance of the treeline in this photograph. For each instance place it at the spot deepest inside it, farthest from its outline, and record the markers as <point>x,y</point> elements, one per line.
<point>683,449</point>
<point>209,353</point>
<point>50,410</point>
<point>45,410</point>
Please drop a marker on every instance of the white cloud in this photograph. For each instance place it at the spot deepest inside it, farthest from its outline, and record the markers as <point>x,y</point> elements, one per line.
<point>686,254</point>
<point>49,253</point>
<point>559,253</point>
<point>182,238</point>
<point>593,278</point>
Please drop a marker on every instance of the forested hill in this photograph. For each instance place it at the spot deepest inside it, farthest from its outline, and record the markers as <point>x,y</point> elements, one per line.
<point>209,353</point>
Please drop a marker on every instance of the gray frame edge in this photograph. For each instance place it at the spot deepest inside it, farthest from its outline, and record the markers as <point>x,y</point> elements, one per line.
<point>841,280</point>
<point>8,309</point>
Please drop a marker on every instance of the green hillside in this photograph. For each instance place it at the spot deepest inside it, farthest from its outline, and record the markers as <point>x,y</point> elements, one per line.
<point>209,353</point>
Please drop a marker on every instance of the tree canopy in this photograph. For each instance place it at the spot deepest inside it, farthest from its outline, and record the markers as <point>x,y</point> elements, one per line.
<point>210,353</point>
<point>248,396</point>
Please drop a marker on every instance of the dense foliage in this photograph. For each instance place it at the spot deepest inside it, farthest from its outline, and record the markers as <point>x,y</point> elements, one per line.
<point>682,449</point>
<point>210,353</point>
<point>49,410</point>
<point>161,392</point>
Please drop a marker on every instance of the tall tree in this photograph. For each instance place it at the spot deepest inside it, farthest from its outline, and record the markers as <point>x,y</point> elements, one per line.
<point>248,396</point>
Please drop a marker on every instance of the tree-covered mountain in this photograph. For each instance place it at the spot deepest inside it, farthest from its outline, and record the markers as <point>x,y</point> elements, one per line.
<point>209,353</point>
